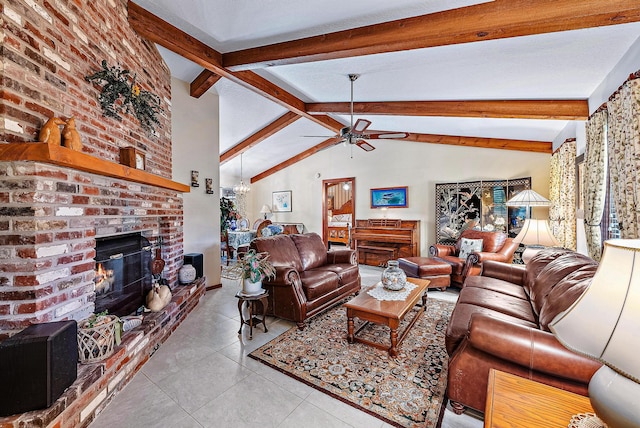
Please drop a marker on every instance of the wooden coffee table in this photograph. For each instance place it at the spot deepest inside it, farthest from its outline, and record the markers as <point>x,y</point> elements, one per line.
<point>389,313</point>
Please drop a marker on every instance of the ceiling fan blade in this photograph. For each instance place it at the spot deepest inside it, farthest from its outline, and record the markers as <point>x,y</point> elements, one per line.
<point>387,135</point>
<point>364,145</point>
<point>361,125</point>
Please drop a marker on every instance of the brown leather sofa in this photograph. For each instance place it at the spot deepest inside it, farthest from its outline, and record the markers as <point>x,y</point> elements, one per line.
<point>501,321</point>
<point>309,279</point>
<point>495,246</point>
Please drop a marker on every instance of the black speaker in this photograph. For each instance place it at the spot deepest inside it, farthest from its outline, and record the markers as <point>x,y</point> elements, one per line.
<point>195,260</point>
<point>37,365</point>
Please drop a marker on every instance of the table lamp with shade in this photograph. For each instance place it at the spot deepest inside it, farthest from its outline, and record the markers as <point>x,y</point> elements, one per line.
<point>265,210</point>
<point>604,324</point>
<point>535,234</point>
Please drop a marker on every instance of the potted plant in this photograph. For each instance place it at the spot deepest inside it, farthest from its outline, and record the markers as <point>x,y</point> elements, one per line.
<point>227,208</point>
<point>252,268</point>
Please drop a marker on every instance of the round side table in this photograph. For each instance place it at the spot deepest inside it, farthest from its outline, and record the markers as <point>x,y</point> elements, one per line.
<point>251,305</point>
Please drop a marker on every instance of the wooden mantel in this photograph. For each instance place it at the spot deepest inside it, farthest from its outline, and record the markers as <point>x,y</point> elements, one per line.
<point>62,156</point>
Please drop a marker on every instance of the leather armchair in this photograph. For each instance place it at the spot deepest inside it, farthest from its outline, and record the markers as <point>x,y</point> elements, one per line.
<point>309,279</point>
<point>495,246</point>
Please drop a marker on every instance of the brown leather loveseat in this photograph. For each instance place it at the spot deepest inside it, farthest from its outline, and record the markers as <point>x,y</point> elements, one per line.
<point>309,279</point>
<point>495,246</point>
<point>501,321</point>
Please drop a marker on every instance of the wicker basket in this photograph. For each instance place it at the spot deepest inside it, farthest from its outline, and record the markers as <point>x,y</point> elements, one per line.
<point>96,343</point>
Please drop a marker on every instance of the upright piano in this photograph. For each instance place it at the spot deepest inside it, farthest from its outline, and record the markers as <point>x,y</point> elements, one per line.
<point>379,240</point>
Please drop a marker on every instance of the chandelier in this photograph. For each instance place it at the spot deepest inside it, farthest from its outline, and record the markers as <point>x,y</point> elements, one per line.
<point>241,188</point>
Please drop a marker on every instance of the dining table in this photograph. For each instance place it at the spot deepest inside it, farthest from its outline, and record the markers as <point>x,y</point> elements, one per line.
<point>240,238</point>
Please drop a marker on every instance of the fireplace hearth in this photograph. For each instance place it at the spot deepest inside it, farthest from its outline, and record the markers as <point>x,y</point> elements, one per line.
<point>123,273</point>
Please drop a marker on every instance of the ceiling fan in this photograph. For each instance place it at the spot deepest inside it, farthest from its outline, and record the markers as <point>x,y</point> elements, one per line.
<point>356,134</point>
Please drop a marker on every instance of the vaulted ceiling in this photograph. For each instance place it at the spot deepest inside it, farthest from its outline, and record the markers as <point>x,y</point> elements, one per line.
<point>506,74</point>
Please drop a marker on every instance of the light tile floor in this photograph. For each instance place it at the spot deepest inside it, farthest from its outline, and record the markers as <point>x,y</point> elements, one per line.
<point>202,377</point>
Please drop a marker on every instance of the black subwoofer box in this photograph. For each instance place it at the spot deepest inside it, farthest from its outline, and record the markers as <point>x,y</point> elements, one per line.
<point>195,260</point>
<point>37,365</point>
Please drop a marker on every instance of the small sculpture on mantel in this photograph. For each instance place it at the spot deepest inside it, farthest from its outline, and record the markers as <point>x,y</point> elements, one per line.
<point>50,133</point>
<point>71,137</point>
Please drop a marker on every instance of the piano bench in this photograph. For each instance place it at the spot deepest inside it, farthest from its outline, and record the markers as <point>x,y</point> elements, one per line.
<point>436,271</point>
<point>376,256</point>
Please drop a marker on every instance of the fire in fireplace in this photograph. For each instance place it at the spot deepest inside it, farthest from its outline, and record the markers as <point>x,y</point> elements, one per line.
<point>123,273</point>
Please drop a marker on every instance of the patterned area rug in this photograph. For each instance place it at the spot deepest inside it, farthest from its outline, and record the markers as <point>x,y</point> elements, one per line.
<point>406,391</point>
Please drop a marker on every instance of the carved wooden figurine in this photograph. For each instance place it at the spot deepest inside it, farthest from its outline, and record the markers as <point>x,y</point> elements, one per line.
<point>50,133</point>
<point>71,137</point>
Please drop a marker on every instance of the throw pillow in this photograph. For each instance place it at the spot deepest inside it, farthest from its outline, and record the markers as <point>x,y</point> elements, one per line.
<point>468,246</point>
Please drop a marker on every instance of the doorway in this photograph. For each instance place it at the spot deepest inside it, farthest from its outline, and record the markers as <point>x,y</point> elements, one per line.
<point>338,210</point>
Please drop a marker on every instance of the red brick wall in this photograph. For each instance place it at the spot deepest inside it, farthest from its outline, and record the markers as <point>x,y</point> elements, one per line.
<point>50,46</point>
<point>49,216</point>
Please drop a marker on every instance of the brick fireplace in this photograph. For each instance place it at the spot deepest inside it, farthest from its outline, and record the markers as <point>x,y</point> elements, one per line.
<point>52,212</point>
<point>55,203</point>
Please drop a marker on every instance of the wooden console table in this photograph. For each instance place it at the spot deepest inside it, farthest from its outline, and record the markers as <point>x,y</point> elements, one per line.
<point>513,401</point>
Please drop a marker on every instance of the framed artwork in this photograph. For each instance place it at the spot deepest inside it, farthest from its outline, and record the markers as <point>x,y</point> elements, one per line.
<point>389,197</point>
<point>194,179</point>
<point>482,202</point>
<point>281,202</point>
<point>208,183</point>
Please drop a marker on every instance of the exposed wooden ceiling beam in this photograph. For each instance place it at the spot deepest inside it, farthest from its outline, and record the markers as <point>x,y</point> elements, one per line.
<point>511,109</point>
<point>280,123</point>
<point>498,19</point>
<point>297,158</point>
<point>488,143</point>
<point>161,32</point>
<point>203,83</point>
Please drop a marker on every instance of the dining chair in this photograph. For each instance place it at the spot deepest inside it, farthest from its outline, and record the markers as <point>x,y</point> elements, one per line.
<point>224,245</point>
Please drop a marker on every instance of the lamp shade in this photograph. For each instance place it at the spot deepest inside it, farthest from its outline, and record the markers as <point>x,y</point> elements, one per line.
<point>528,198</point>
<point>266,209</point>
<point>536,232</point>
<point>604,324</point>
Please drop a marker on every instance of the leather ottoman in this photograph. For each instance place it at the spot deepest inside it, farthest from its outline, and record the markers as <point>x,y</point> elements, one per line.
<point>436,271</point>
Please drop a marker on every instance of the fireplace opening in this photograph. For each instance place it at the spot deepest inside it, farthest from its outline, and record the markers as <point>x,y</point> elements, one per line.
<point>123,273</point>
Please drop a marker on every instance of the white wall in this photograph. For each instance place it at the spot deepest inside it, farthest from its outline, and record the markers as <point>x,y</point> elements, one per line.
<point>396,163</point>
<point>195,135</point>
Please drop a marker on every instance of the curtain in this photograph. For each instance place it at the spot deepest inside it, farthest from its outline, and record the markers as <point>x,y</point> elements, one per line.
<point>562,194</point>
<point>594,181</point>
<point>624,154</point>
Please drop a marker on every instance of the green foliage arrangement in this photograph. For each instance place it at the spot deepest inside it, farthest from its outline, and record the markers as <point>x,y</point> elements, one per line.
<point>254,266</point>
<point>120,93</point>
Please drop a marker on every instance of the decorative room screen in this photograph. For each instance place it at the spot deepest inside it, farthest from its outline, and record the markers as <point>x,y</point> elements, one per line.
<point>485,200</point>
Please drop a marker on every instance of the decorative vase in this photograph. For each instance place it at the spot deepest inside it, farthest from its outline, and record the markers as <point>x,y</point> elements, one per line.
<point>393,278</point>
<point>250,288</point>
<point>186,274</point>
<point>233,225</point>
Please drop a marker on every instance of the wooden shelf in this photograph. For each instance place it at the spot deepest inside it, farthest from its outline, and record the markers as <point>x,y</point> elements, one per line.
<point>62,156</point>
